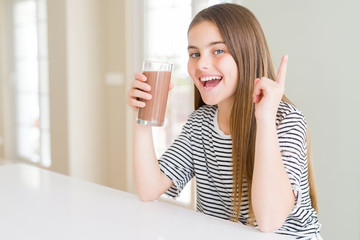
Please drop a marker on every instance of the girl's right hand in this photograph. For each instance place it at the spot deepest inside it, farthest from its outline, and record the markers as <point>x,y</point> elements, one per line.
<point>138,92</point>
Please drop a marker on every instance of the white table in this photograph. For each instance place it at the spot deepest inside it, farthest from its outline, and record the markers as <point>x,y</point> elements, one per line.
<point>39,204</point>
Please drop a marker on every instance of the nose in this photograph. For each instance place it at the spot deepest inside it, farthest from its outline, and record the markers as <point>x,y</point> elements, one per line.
<point>203,63</point>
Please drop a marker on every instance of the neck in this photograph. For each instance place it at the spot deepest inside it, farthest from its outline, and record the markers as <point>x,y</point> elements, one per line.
<point>224,112</point>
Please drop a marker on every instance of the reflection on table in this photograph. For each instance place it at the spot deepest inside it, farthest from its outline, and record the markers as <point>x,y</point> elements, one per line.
<point>40,204</point>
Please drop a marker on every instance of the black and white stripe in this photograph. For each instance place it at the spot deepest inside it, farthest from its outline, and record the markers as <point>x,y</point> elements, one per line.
<point>203,151</point>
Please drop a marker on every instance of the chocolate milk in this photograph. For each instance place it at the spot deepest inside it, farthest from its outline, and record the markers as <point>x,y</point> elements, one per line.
<point>154,111</point>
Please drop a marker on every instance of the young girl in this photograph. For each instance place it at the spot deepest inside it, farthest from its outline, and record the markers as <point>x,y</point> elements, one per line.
<point>245,143</point>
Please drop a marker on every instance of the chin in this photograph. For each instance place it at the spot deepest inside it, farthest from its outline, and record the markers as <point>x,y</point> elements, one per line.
<point>209,101</point>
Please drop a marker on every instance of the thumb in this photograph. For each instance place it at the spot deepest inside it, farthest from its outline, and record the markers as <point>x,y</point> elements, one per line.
<point>257,91</point>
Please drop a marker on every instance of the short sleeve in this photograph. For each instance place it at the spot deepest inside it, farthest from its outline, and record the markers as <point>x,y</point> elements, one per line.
<point>292,140</point>
<point>177,162</point>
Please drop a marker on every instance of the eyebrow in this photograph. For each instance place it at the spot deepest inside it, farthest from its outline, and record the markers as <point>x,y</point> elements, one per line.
<point>209,45</point>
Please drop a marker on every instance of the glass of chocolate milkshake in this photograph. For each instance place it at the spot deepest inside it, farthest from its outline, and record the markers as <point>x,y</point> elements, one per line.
<point>158,77</point>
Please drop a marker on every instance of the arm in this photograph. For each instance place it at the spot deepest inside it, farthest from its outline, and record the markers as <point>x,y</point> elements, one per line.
<point>150,182</point>
<point>272,195</point>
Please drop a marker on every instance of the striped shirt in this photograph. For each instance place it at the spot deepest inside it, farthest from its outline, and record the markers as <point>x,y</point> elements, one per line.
<point>203,151</point>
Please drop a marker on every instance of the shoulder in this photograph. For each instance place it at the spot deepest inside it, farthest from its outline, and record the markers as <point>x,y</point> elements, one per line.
<point>196,120</point>
<point>288,111</point>
<point>290,118</point>
<point>203,116</point>
<point>205,112</point>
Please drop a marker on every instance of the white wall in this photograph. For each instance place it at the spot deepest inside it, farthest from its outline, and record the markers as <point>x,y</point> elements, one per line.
<point>58,86</point>
<point>115,95</point>
<point>2,75</point>
<point>134,55</point>
<point>85,89</point>
<point>322,39</point>
<point>7,148</point>
<point>86,40</point>
<point>87,116</point>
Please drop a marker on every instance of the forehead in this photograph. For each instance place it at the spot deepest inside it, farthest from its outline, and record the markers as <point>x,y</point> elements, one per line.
<point>203,33</point>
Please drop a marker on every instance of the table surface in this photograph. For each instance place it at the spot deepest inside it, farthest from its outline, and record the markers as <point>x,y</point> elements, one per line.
<point>40,204</point>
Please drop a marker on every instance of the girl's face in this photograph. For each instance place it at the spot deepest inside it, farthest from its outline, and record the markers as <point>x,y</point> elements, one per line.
<point>210,65</point>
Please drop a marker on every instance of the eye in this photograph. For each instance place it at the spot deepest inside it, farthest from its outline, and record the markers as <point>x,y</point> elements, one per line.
<point>218,51</point>
<point>194,55</point>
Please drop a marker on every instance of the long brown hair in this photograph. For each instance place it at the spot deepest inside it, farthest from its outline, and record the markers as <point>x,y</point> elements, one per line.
<point>246,42</point>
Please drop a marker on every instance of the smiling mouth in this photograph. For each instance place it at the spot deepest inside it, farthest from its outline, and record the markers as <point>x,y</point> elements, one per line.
<point>210,81</point>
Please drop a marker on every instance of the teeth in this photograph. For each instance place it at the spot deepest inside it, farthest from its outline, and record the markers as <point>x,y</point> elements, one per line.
<point>204,79</point>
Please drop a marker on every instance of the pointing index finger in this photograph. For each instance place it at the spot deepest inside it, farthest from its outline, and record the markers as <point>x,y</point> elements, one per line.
<point>281,75</point>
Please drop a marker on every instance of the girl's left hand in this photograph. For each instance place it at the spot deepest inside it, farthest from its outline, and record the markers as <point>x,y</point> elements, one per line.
<point>268,93</point>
